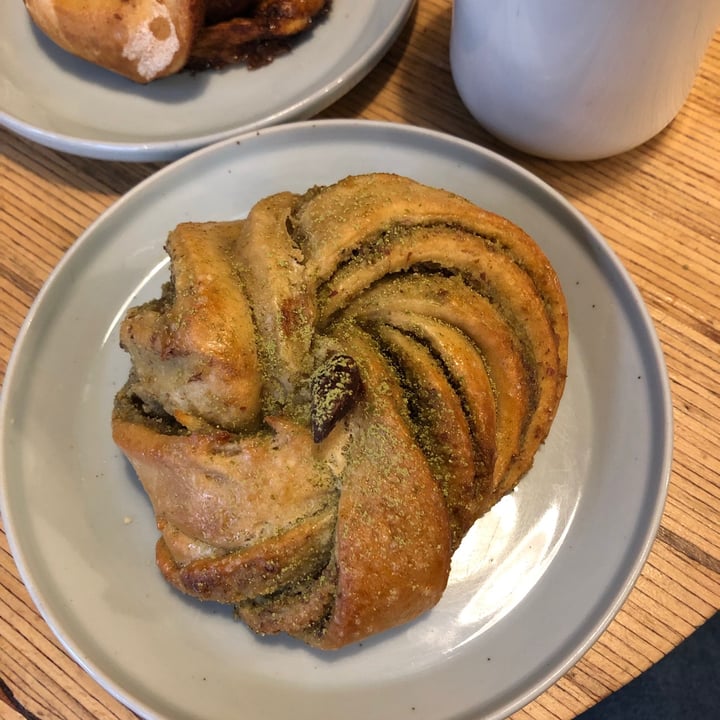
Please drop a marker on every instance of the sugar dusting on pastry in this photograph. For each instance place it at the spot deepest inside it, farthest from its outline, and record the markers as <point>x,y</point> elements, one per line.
<point>154,44</point>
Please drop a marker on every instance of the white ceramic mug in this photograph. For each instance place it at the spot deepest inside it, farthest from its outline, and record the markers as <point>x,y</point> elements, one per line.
<point>578,79</point>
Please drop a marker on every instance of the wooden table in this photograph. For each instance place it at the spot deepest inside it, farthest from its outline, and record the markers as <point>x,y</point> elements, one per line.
<point>658,207</point>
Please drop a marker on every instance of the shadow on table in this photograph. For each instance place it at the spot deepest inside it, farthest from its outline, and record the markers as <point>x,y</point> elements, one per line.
<point>684,684</point>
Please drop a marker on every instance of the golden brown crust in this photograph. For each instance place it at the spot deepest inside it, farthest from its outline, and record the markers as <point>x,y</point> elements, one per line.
<point>140,39</point>
<point>230,492</point>
<point>397,226</point>
<point>201,369</point>
<point>255,571</point>
<point>393,536</point>
<point>430,335</point>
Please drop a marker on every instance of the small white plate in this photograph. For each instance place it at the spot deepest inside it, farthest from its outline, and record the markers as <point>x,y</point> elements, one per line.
<point>533,584</point>
<point>68,104</point>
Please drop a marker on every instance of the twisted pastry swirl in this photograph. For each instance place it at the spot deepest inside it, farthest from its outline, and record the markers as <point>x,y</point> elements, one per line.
<point>330,392</point>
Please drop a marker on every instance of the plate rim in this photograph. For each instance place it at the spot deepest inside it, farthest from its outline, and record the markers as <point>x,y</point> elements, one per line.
<point>619,595</point>
<point>170,150</point>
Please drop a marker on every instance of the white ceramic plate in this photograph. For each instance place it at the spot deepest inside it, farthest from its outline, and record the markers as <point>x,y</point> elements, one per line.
<point>533,584</point>
<point>68,104</point>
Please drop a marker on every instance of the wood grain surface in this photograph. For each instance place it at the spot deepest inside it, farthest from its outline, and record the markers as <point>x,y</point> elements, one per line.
<point>657,206</point>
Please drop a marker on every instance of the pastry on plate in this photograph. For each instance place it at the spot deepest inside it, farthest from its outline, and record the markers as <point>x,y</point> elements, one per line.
<point>148,39</point>
<point>329,393</point>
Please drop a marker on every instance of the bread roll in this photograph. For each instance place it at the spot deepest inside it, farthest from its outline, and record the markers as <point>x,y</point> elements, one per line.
<point>140,39</point>
<point>330,392</point>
